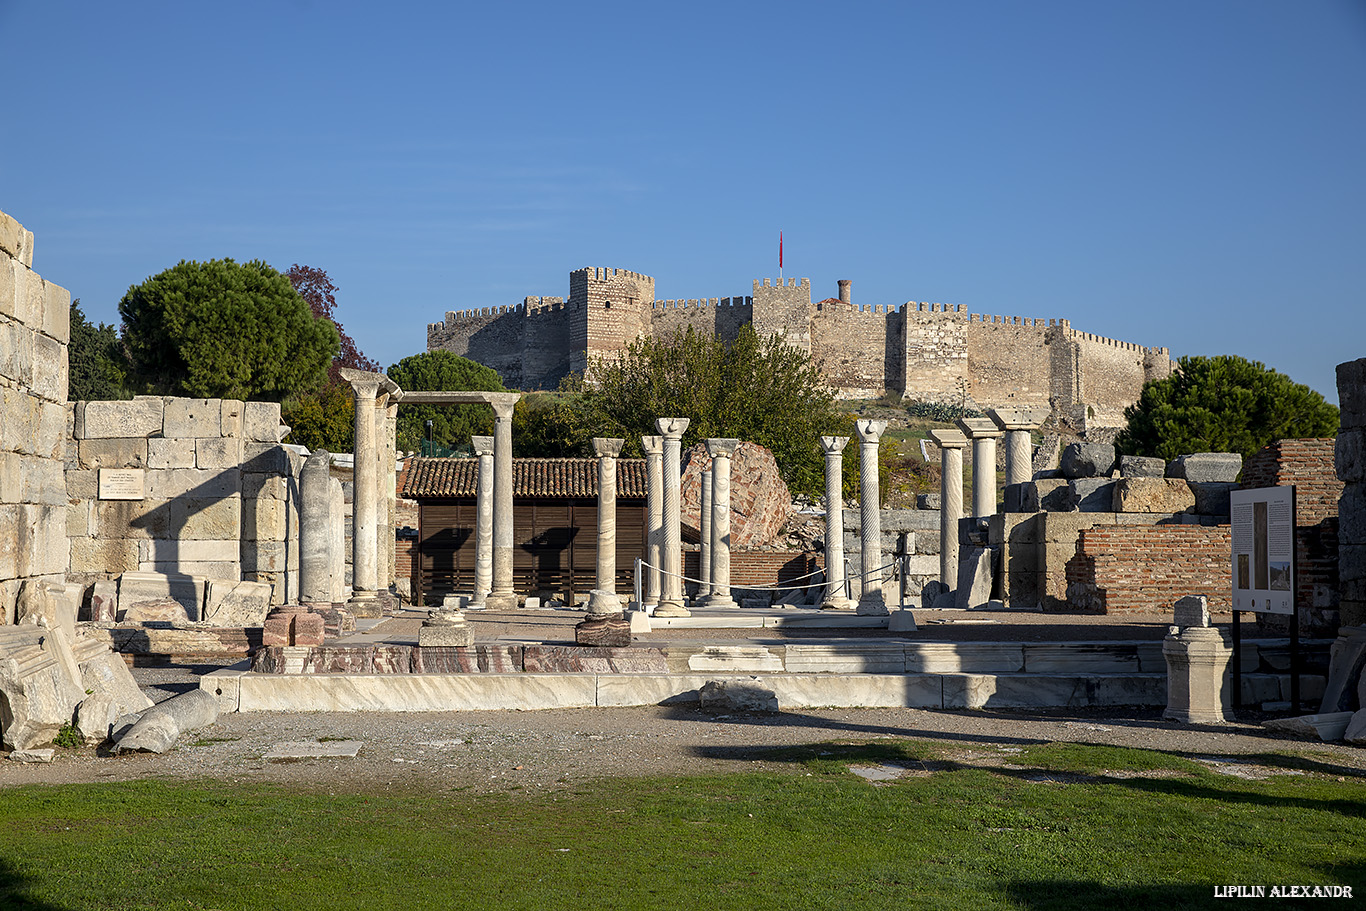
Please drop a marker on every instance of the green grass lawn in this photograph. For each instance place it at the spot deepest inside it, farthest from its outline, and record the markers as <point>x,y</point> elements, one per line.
<point>1061,827</point>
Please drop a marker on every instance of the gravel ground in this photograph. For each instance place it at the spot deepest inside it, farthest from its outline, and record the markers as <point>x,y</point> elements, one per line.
<point>542,750</point>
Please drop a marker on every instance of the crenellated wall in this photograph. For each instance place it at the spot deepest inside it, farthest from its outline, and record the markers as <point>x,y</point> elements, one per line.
<point>918,351</point>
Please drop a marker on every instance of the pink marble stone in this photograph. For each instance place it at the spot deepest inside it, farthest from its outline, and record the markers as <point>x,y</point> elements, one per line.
<point>557,659</point>
<point>337,659</point>
<point>393,659</point>
<point>477,659</point>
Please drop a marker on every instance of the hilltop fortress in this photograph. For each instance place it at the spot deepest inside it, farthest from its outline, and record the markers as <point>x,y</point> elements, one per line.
<point>918,351</point>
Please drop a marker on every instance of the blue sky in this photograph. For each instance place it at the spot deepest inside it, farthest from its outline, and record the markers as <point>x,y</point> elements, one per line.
<point>1189,174</point>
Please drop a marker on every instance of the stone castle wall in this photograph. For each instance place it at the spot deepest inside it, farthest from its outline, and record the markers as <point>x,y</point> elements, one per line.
<point>35,320</point>
<point>919,351</point>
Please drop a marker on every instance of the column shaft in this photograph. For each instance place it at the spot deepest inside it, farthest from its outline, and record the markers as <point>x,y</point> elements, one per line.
<point>871,600</point>
<point>671,582</point>
<point>502,596</point>
<point>836,595</point>
<point>365,490</point>
<point>720,451</point>
<point>707,534</point>
<point>654,510</point>
<point>315,532</point>
<point>603,602</point>
<point>483,520</point>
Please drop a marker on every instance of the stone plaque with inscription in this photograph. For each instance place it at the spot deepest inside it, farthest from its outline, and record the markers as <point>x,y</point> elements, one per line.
<point>123,484</point>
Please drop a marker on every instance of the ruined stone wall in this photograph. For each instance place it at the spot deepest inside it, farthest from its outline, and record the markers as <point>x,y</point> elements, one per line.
<point>720,316</point>
<point>35,319</point>
<point>493,336</point>
<point>198,487</point>
<point>783,306</point>
<point>1009,361</point>
<point>856,348</point>
<point>1147,568</point>
<point>934,353</point>
<point>1112,374</point>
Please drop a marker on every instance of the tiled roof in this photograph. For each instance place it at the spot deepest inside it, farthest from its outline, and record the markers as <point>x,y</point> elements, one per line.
<point>425,477</point>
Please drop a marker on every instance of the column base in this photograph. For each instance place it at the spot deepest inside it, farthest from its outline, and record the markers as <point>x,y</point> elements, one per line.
<point>839,604</point>
<point>903,621</point>
<point>719,602</point>
<point>293,625</point>
<point>603,604</point>
<point>872,604</point>
<point>500,601</point>
<point>365,605</point>
<point>446,628</point>
<point>672,609</point>
<point>611,631</point>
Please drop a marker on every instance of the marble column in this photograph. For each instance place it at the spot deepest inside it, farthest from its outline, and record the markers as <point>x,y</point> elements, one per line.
<point>654,510</point>
<point>336,525</point>
<point>365,386</point>
<point>603,601</point>
<point>387,545</point>
<point>836,597</point>
<point>720,451</point>
<point>871,601</point>
<point>483,521</point>
<point>502,596</point>
<point>671,557</point>
<point>984,433</point>
<point>315,532</point>
<point>951,444</point>
<point>706,543</point>
<point>1017,423</point>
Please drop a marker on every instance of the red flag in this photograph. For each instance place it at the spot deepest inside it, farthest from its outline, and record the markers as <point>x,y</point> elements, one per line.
<point>780,249</point>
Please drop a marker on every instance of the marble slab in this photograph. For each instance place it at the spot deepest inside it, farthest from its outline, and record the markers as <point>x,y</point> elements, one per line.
<point>734,658</point>
<point>311,749</point>
<point>338,659</point>
<point>1081,657</point>
<point>414,692</point>
<point>963,657</point>
<point>553,659</point>
<point>393,659</point>
<point>476,659</point>
<point>854,657</point>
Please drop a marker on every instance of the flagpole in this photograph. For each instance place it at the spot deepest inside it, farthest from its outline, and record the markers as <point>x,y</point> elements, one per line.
<point>780,259</point>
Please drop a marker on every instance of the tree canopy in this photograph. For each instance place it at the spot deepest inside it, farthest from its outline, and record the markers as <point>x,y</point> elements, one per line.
<point>1222,404</point>
<point>452,425</point>
<point>761,390</point>
<point>95,359</point>
<point>222,329</point>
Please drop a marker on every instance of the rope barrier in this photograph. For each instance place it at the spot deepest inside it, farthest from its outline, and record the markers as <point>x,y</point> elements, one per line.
<point>842,582</point>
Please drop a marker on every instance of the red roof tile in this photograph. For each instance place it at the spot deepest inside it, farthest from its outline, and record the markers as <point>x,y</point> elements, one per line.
<point>427,477</point>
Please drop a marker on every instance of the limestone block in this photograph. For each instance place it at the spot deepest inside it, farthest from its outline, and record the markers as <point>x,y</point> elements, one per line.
<point>185,589</point>
<point>104,555</point>
<point>266,458</point>
<point>1356,728</point>
<point>735,658</point>
<point>1142,467</point>
<point>1206,466</point>
<point>1326,727</point>
<point>112,452</point>
<point>1352,514</point>
<point>175,550</point>
<point>82,484</point>
<point>16,349</point>
<point>56,313</point>
<point>96,716</point>
<point>49,368</point>
<point>1093,494</point>
<point>7,282</point>
<point>263,556</point>
<point>1152,493</point>
<point>37,685</point>
<point>232,603</point>
<point>230,418</point>
<point>49,548</point>
<point>52,430</point>
<point>141,417</point>
<point>1212,497</point>
<point>205,569</point>
<point>131,519</point>
<point>14,240</point>
<point>218,452</point>
<point>28,297</point>
<point>1087,460</point>
<point>12,477</point>
<point>168,484</point>
<point>1063,528</point>
<point>1352,393</point>
<point>263,520</point>
<point>18,428</point>
<point>192,418</point>
<point>1192,610</point>
<point>748,694</point>
<point>214,519</point>
<point>974,578</point>
<point>265,486</point>
<point>1049,495</point>
<point>163,453</point>
<point>80,519</point>
<point>261,422</point>
<point>44,481</point>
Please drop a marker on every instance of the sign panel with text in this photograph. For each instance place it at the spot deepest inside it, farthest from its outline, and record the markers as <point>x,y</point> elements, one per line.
<point>1264,550</point>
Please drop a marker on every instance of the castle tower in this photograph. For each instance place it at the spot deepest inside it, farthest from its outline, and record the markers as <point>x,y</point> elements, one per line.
<point>784,308</point>
<point>608,309</point>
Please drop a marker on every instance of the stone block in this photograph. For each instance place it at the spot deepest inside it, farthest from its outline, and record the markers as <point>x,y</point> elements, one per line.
<point>140,417</point>
<point>82,484</point>
<point>1087,460</point>
<point>218,452</point>
<point>39,685</point>
<point>1206,467</point>
<point>750,695</point>
<point>1152,494</point>
<point>1063,528</point>
<point>205,569</point>
<point>974,578</point>
<point>104,599</point>
<point>163,453</point>
<point>28,298</point>
<point>1142,467</point>
<point>266,458</point>
<point>196,483</point>
<point>192,418</point>
<point>265,486</point>
<point>1192,610</point>
<point>95,717</point>
<point>104,555</point>
<point>176,550</point>
<point>734,658</point>
<point>44,481</point>
<point>112,452</point>
<point>49,368</point>
<point>481,659</point>
<point>928,501</point>
<point>230,418</point>
<point>56,312</point>
<point>186,590</point>
<point>1093,494</point>
<point>15,242</point>
<point>1327,727</point>
<point>16,349</point>
<point>263,556</point>
<point>132,519</point>
<point>263,520</point>
<point>261,421</point>
<point>1352,514</point>
<point>1349,455</point>
<point>1212,497</point>
<point>1015,497</point>
<point>53,434</point>
<point>1049,495</point>
<point>206,519</point>
<point>1352,393</point>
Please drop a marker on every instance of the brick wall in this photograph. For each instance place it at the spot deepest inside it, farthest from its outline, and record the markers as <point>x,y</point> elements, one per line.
<point>752,568</point>
<point>1147,568</point>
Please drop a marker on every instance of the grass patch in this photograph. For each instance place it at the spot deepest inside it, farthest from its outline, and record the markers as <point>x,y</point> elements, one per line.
<point>809,836</point>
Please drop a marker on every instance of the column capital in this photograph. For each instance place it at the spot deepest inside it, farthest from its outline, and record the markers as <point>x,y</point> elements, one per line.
<point>652,445</point>
<point>367,383</point>
<point>607,447</point>
<point>721,446</point>
<point>483,446</point>
<point>869,430</point>
<point>949,439</point>
<point>503,404</point>
<point>833,445</point>
<point>1018,418</point>
<point>979,428</point>
<point>672,428</point>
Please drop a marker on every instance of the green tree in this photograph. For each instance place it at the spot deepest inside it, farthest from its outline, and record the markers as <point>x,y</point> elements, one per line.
<point>760,390</point>
<point>95,357</point>
<point>442,371</point>
<point>552,425</point>
<point>1222,404</point>
<point>221,329</point>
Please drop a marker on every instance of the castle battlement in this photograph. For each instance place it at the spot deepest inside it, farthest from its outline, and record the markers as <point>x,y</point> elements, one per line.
<point>701,303</point>
<point>602,274</point>
<point>783,283</point>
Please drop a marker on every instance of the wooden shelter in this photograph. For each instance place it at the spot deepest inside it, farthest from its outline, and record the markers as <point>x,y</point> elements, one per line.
<point>555,525</point>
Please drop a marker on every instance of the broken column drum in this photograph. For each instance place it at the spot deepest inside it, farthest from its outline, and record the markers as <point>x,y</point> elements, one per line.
<point>315,530</point>
<point>871,600</point>
<point>836,597</point>
<point>603,601</point>
<point>671,558</point>
<point>720,451</point>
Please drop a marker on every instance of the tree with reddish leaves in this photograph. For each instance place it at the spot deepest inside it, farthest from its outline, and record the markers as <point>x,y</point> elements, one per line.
<point>315,287</point>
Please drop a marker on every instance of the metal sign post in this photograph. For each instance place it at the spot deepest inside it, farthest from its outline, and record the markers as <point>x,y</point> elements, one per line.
<point>1264,571</point>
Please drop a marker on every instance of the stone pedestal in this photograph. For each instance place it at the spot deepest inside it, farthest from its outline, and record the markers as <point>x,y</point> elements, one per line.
<point>502,596</point>
<point>671,558</point>
<point>984,433</point>
<point>603,601</point>
<point>610,631</point>
<point>871,600</point>
<point>720,451</point>
<point>294,624</point>
<point>483,531</point>
<point>951,444</point>
<point>836,594</point>
<point>1197,658</point>
<point>654,508</point>
<point>445,627</point>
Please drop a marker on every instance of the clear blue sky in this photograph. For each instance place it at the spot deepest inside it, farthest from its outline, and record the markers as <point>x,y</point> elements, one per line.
<point>1189,174</point>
